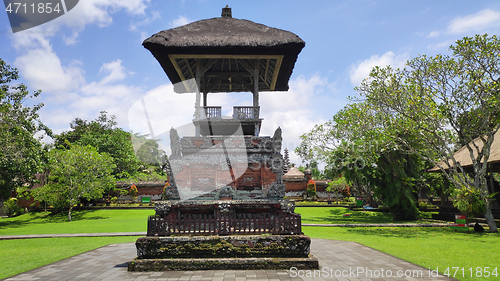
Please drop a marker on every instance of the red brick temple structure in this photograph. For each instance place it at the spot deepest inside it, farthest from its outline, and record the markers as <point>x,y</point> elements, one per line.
<point>226,206</point>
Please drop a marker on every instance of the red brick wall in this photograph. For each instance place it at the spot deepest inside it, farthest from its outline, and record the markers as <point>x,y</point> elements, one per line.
<point>295,185</point>
<point>254,175</point>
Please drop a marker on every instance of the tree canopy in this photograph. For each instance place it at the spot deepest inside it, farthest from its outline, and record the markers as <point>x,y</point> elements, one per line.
<point>22,154</point>
<point>106,137</point>
<point>76,173</point>
<point>423,111</point>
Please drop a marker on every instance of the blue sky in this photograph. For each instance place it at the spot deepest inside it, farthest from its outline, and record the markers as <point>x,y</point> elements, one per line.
<point>92,59</point>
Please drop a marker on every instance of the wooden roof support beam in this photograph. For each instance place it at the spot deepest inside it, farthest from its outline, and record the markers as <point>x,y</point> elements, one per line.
<point>256,82</point>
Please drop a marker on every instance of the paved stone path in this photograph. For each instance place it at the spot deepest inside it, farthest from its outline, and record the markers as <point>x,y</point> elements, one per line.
<point>336,258</point>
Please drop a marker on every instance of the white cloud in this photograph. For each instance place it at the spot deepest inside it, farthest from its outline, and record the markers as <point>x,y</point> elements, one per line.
<point>362,69</point>
<point>441,45</point>
<point>181,20</point>
<point>475,22</point>
<point>85,12</point>
<point>43,69</point>
<point>433,34</point>
<point>115,70</point>
<point>293,111</point>
<point>149,19</point>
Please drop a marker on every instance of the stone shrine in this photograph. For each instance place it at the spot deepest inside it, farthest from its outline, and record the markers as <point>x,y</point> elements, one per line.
<point>226,206</point>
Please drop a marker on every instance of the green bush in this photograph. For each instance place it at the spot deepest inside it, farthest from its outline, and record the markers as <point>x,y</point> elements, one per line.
<point>11,209</point>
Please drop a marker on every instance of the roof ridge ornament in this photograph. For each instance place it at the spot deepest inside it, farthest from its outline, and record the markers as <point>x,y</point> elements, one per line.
<point>226,12</point>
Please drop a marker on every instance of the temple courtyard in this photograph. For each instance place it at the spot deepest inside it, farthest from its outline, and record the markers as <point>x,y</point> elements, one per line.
<point>338,260</point>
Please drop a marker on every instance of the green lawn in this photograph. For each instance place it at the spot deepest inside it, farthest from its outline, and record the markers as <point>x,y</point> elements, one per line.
<point>26,254</point>
<point>334,215</point>
<point>92,221</point>
<point>427,247</point>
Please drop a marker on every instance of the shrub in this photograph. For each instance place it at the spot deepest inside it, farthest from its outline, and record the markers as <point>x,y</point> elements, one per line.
<point>311,188</point>
<point>133,191</point>
<point>11,209</point>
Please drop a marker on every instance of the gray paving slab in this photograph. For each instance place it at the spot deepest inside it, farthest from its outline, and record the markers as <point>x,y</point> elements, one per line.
<point>339,260</point>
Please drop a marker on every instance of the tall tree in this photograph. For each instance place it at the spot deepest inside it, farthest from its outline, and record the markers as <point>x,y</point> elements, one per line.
<point>21,152</point>
<point>431,98</point>
<point>356,144</point>
<point>105,136</point>
<point>76,173</point>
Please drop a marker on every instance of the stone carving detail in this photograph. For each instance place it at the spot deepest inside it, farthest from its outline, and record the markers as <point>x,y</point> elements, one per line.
<point>162,207</point>
<point>175,144</point>
<point>226,192</point>
<point>170,192</point>
<point>287,206</point>
<point>276,191</point>
<point>224,207</point>
<point>277,141</point>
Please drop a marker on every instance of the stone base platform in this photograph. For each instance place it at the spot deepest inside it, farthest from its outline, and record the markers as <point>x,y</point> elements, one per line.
<point>222,264</point>
<point>223,252</point>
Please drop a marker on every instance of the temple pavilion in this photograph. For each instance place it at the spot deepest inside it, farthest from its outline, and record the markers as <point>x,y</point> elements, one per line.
<point>228,176</point>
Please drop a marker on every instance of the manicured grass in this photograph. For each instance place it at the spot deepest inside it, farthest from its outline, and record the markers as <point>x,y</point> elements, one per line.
<point>26,254</point>
<point>334,215</point>
<point>93,221</point>
<point>427,247</point>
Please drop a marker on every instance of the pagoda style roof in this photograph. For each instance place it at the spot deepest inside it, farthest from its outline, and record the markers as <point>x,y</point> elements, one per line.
<point>228,50</point>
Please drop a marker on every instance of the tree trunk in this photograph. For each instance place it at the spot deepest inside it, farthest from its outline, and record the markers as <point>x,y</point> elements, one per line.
<point>489,217</point>
<point>69,213</point>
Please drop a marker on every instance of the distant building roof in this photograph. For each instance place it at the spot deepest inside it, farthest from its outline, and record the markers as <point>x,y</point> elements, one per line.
<point>293,173</point>
<point>462,156</point>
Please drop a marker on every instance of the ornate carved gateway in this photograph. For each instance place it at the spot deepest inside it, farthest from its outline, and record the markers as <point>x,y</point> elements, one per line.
<point>228,177</point>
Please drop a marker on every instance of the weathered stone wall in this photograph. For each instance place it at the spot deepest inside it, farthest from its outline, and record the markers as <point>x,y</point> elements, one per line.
<point>223,246</point>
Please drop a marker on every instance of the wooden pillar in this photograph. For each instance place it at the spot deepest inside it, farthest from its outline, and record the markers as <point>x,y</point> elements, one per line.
<point>256,94</point>
<point>256,83</point>
<point>205,91</point>
<point>197,111</point>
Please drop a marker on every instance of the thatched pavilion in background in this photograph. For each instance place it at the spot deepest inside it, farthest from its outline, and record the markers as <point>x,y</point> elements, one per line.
<point>462,156</point>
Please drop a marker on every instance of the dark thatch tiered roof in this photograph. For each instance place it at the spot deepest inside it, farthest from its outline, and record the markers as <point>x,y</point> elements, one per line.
<point>232,40</point>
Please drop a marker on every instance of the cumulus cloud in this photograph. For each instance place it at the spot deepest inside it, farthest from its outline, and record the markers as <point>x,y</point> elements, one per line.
<point>155,15</point>
<point>362,69</point>
<point>181,20</point>
<point>476,22</point>
<point>293,110</point>
<point>43,69</point>
<point>433,34</point>
<point>115,71</point>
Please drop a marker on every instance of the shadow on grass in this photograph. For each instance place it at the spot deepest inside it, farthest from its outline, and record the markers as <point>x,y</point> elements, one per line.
<point>47,217</point>
<point>336,216</point>
<point>419,233</point>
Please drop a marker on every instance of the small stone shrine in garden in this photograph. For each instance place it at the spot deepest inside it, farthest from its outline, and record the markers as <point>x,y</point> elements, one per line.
<point>226,207</point>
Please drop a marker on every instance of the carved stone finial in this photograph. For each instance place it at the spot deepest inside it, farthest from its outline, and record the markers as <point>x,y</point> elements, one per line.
<point>277,141</point>
<point>175,143</point>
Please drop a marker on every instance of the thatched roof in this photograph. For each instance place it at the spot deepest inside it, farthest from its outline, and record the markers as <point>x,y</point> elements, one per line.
<point>227,39</point>
<point>462,156</point>
<point>223,32</point>
<point>293,174</point>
